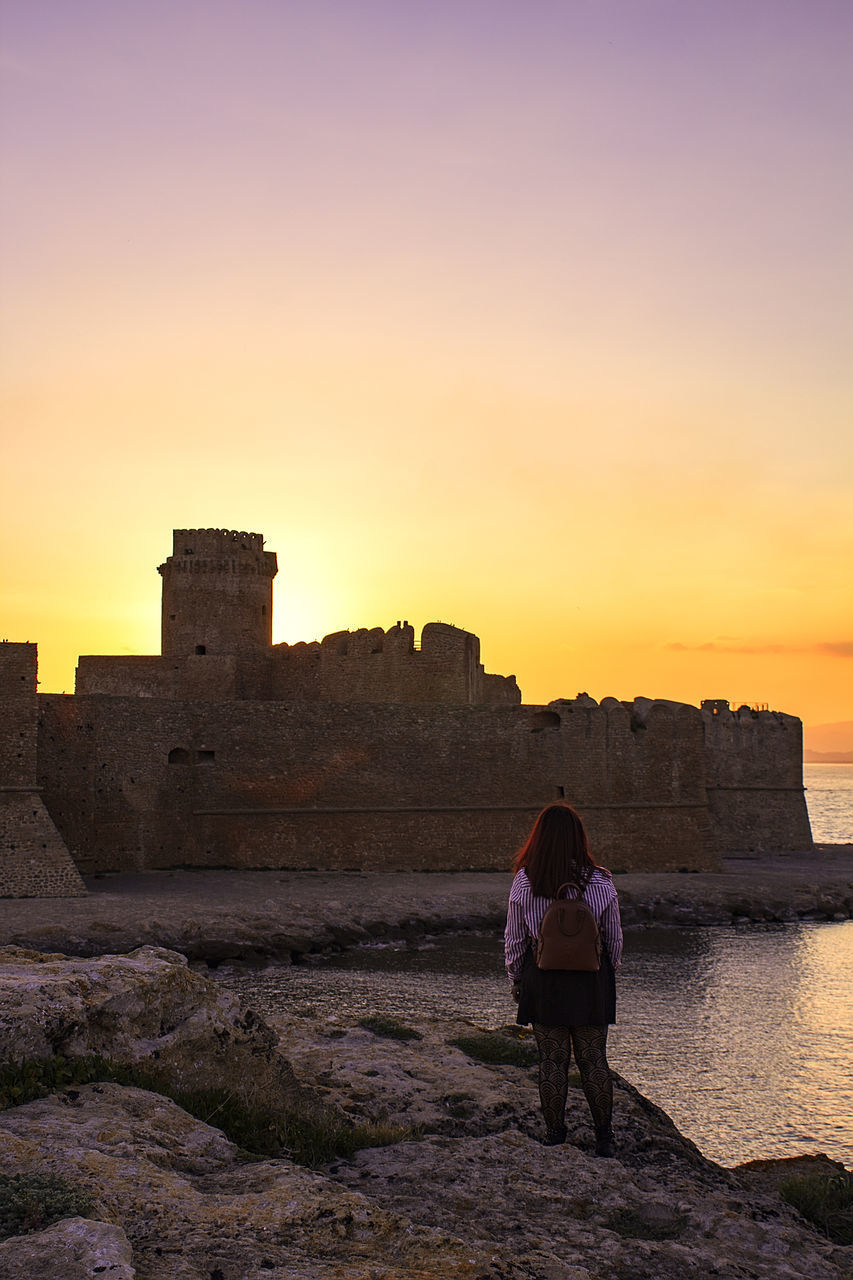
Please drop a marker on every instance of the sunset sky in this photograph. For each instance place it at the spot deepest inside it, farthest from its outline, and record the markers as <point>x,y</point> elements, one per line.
<point>534,317</point>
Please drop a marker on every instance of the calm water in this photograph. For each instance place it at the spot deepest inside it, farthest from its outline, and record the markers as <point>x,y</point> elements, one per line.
<point>743,1035</point>
<point>829,795</point>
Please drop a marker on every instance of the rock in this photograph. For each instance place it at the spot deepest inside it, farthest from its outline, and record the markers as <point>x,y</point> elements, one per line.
<point>658,1211</point>
<point>191,1209</point>
<point>768,1175</point>
<point>622,1219</point>
<point>477,1197</point>
<point>73,1249</point>
<point>146,1007</point>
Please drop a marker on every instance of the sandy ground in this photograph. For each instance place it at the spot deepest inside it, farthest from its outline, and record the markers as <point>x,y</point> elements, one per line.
<point>220,914</point>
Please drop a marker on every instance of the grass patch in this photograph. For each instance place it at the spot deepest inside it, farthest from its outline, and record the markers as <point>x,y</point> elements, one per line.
<point>632,1225</point>
<point>311,1138</point>
<point>33,1201</point>
<point>497,1048</point>
<point>825,1200</point>
<point>22,1082</point>
<point>389,1028</point>
<point>260,1127</point>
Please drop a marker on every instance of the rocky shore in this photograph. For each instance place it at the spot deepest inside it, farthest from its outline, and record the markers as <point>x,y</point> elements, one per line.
<point>461,1186</point>
<point>256,916</point>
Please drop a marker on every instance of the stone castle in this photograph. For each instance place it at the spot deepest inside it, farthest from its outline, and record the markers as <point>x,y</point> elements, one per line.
<point>366,750</point>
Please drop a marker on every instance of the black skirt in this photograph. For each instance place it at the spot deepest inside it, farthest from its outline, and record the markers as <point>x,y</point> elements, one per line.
<point>567,997</point>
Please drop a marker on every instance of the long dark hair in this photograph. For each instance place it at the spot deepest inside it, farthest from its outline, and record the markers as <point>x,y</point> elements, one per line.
<point>556,852</point>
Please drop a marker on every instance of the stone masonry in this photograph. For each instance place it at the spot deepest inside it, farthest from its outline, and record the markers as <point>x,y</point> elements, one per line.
<point>34,860</point>
<point>370,751</point>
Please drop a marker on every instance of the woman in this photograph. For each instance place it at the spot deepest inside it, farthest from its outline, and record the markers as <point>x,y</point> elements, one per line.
<point>568,1009</point>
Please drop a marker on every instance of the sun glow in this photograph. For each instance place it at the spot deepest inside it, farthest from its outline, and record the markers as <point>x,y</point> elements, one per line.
<point>541,334</point>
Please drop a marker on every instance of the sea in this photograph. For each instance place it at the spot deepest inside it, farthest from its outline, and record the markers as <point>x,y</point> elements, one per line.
<point>743,1034</point>
<point>829,796</point>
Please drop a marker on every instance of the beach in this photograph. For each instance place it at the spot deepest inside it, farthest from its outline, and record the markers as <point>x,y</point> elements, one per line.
<point>219,915</point>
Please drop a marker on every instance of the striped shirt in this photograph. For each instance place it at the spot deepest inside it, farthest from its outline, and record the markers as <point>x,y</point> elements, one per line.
<point>526,910</point>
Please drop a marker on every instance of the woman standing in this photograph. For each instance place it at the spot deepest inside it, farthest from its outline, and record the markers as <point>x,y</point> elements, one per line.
<point>569,1009</point>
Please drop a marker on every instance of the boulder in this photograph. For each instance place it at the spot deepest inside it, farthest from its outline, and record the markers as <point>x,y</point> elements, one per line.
<point>147,1008</point>
<point>73,1249</point>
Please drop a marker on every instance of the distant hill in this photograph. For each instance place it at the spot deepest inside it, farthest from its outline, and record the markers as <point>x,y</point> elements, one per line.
<point>828,743</point>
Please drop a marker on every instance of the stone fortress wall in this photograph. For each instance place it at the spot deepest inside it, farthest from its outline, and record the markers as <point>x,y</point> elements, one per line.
<point>368,751</point>
<point>216,641</point>
<point>754,776</point>
<point>34,860</point>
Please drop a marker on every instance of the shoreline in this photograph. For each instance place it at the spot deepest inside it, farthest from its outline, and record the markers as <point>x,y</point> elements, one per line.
<point>273,915</point>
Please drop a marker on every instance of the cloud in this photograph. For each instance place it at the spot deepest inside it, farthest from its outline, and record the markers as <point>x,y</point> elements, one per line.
<point>828,648</point>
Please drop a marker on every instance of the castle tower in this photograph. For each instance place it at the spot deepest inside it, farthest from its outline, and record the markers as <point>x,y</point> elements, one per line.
<point>217,593</point>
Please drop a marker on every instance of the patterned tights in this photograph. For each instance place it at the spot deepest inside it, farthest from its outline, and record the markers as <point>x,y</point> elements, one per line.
<point>555,1046</point>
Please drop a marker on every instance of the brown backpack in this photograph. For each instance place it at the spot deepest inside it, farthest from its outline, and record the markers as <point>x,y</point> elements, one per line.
<point>568,935</point>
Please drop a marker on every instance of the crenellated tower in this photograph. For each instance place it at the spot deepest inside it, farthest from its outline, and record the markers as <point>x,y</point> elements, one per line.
<point>217,593</point>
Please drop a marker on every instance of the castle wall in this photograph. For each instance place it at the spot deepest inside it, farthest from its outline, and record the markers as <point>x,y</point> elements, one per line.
<point>755,780</point>
<point>364,750</point>
<point>209,676</point>
<point>388,666</point>
<point>347,666</point>
<point>154,783</point>
<point>34,861</point>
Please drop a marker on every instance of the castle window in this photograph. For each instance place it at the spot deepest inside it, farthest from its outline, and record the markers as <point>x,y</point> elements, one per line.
<point>201,649</point>
<point>561,793</point>
<point>205,757</point>
<point>544,720</point>
<point>179,755</point>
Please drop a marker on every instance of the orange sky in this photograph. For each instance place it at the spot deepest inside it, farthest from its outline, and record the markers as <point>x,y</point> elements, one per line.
<point>534,320</point>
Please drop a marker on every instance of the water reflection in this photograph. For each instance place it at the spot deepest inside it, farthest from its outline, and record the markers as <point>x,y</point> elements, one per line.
<point>829,795</point>
<point>744,1035</point>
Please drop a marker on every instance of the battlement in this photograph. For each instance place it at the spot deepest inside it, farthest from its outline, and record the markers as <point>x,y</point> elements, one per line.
<point>214,542</point>
<point>205,551</point>
<point>372,665</point>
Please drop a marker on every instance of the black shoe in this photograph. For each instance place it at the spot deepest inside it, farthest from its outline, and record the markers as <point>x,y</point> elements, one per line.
<point>555,1137</point>
<point>604,1143</point>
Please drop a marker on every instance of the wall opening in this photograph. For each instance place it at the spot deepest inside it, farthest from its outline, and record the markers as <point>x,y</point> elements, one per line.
<point>179,755</point>
<point>201,649</point>
<point>544,720</point>
<point>205,757</point>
